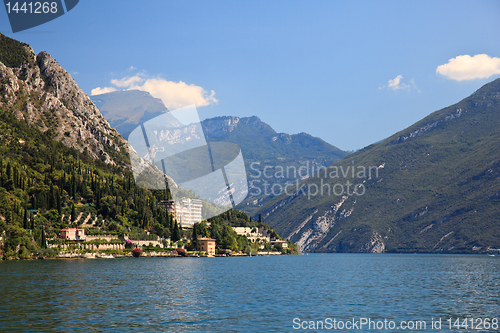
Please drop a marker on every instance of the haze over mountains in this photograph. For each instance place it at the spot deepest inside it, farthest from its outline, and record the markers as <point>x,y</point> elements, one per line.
<point>434,187</point>
<point>261,146</point>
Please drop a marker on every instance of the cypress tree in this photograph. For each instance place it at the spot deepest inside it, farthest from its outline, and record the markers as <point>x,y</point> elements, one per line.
<point>9,171</point>
<point>63,182</point>
<point>8,217</point>
<point>167,191</point>
<point>98,199</point>
<point>73,213</point>
<point>195,235</point>
<point>44,242</point>
<point>161,219</point>
<point>176,233</point>
<point>15,178</point>
<point>52,199</point>
<point>25,220</point>
<point>59,205</point>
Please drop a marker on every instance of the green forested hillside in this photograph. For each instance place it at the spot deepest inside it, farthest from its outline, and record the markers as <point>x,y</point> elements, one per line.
<point>45,185</point>
<point>40,173</point>
<point>436,189</point>
<point>12,52</point>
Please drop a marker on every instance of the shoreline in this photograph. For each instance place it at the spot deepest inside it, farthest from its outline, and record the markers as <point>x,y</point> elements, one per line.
<point>143,255</point>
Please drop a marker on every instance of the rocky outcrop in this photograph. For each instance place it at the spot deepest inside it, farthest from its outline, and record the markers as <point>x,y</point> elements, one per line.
<point>221,126</point>
<point>40,92</point>
<point>375,245</point>
<point>313,231</point>
<point>427,127</point>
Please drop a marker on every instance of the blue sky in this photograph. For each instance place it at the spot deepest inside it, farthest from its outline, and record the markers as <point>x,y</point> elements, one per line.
<point>349,72</point>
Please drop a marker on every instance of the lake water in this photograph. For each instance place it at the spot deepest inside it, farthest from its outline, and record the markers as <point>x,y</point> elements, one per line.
<point>249,294</point>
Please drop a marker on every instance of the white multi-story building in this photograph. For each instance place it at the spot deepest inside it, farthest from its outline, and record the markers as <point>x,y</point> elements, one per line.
<point>186,211</point>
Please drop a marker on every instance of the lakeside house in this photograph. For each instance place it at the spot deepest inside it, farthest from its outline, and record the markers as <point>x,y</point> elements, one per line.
<point>253,234</point>
<point>186,211</point>
<point>72,234</point>
<point>259,235</point>
<point>282,243</point>
<point>207,245</point>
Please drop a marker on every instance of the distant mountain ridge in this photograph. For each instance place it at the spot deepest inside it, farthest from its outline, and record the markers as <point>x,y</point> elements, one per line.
<point>261,145</point>
<point>267,152</point>
<point>248,131</point>
<point>436,189</point>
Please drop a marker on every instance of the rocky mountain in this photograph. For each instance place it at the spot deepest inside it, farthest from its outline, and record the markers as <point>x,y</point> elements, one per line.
<point>433,187</point>
<point>36,89</point>
<point>273,160</point>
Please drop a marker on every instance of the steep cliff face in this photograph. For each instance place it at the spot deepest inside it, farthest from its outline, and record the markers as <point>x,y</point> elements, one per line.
<point>38,90</point>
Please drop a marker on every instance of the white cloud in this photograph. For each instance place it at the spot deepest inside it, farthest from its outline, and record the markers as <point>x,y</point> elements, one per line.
<point>126,81</point>
<point>173,94</point>
<point>131,68</point>
<point>397,84</point>
<point>465,67</point>
<point>99,90</point>
<point>177,94</point>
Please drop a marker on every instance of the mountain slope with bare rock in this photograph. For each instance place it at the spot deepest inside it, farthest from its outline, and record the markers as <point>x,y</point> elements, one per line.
<point>38,90</point>
<point>433,187</point>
